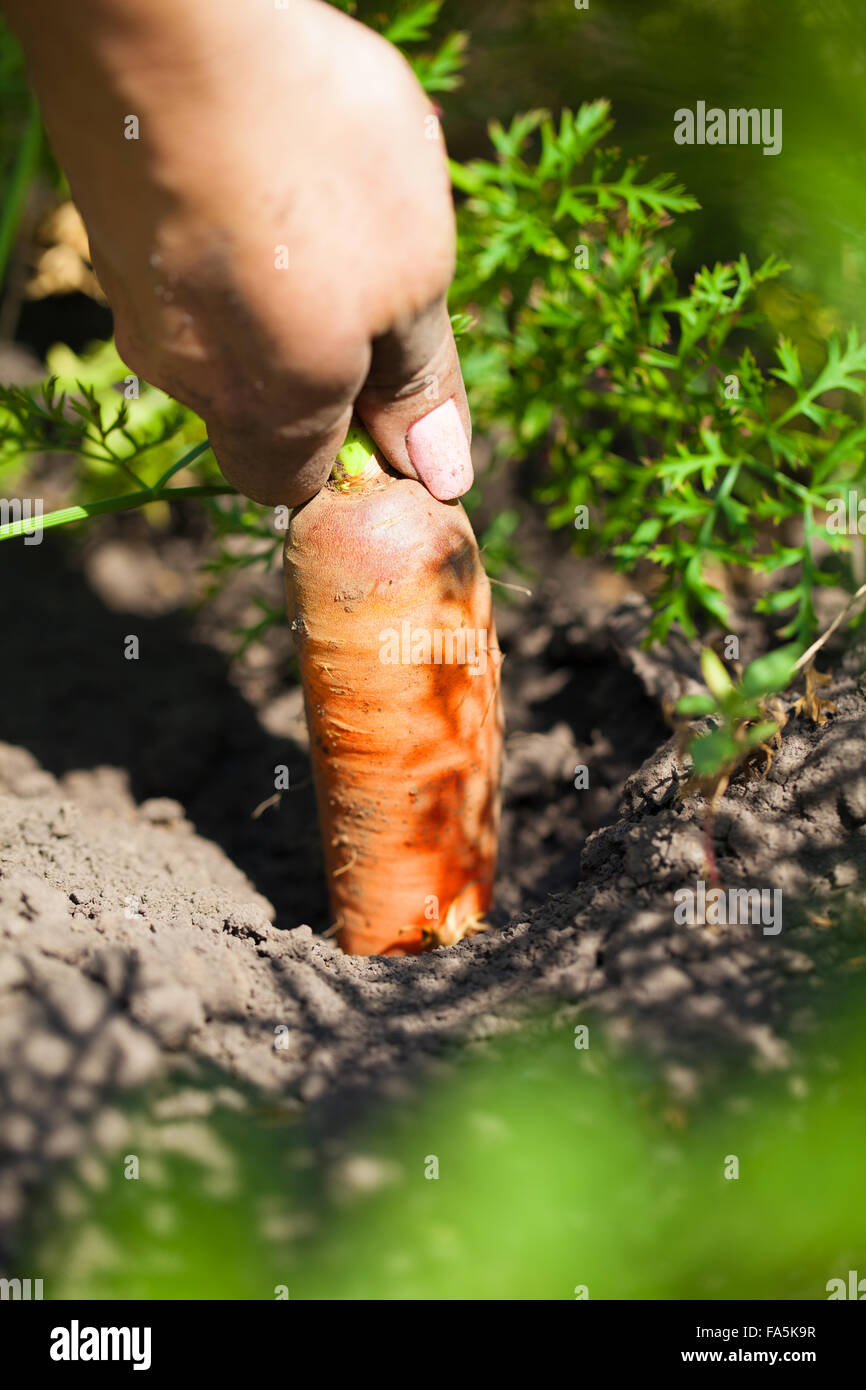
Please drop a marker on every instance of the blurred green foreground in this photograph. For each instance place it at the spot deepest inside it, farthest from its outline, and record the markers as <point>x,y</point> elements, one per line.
<point>560,1169</point>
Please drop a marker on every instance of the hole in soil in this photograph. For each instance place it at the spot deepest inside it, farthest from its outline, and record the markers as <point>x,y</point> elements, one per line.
<point>579,723</point>
<point>175,721</point>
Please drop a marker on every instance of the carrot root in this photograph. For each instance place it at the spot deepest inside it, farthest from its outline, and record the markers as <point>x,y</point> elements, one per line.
<point>393,625</point>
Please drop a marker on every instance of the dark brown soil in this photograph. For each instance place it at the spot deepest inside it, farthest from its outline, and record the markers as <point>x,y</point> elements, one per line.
<point>150,922</point>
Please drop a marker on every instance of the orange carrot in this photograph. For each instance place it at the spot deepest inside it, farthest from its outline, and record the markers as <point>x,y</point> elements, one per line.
<point>393,626</point>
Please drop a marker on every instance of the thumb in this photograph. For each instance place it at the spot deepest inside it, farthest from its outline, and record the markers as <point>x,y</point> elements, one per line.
<point>413,403</point>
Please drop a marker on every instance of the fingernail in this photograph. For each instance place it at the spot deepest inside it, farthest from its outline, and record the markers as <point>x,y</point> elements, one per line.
<point>439,452</point>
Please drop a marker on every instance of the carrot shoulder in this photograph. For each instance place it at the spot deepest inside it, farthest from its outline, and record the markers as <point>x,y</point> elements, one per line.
<point>393,625</point>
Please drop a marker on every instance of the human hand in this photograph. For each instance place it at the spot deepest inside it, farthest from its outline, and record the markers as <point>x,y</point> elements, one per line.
<point>276,239</point>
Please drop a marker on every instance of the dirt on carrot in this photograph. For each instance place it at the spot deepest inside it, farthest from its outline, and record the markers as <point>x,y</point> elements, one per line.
<point>393,624</point>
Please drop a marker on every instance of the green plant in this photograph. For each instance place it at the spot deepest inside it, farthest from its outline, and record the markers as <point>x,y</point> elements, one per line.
<point>741,712</point>
<point>667,428</point>
<point>659,435</point>
<point>114,439</point>
<point>746,716</point>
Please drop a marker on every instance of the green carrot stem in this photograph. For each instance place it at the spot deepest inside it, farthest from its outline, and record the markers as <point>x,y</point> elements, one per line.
<point>66,515</point>
<point>355,456</point>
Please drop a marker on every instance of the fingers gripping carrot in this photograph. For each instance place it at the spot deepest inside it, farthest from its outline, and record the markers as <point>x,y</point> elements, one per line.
<point>393,626</point>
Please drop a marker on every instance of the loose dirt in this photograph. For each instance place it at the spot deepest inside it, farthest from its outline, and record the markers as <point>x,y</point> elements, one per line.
<point>155,921</point>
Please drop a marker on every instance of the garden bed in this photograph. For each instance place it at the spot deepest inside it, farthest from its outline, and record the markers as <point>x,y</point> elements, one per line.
<point>162,916</point>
